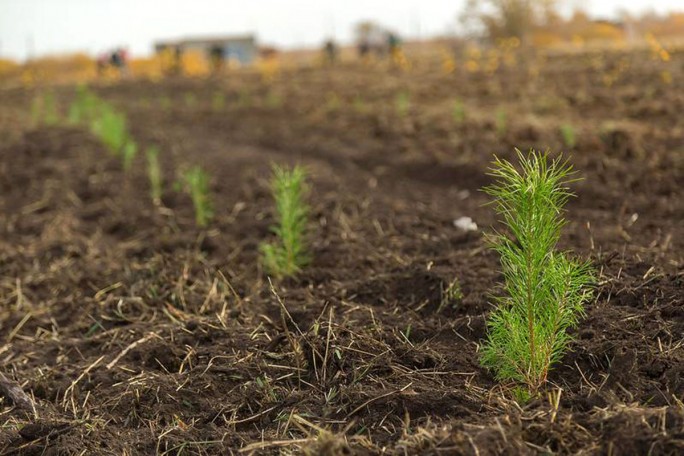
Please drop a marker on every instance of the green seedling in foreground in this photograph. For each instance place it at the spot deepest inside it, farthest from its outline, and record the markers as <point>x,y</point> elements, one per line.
<point>458,113</point>
<point>197,186</point>
<point>568,134</point>
<point>154,173</point>
<point>545,290</point>
<point>288,254</point>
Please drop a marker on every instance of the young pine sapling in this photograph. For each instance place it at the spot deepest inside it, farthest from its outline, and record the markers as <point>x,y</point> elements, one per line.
<point>403,103</point>
<point>273,100</point>
<point>458,112</point>
<point>196,184</point>
<point>130,150</point>
<point>333,103</point>
<point>287,255</point>
<point>51,112</point>
<point>110,127</point>
<point>218,101</point>
<point>359,105</point>
<point>44,109</point>
<point>501,122</point>
<point>154,173</point>
<point>545,289</point>
<point>165,103</point>
<point>568,134</point>
<point>190,99</point>
<point>452,294</point>
<point>84,107</point>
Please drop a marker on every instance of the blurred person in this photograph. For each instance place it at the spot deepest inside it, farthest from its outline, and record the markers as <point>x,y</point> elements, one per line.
<point>364,49</point>
<point>396,54</point>
<point>330,51</point>
<point>119,60</point>
<point>116,59</point>
<point>217,59</point>
<point>393,43</point>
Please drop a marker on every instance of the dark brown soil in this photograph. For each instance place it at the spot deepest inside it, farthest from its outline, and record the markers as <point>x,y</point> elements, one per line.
<point>137,333</point>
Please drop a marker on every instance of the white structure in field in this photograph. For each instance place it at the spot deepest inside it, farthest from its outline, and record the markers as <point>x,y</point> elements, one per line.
<point>240,49</point>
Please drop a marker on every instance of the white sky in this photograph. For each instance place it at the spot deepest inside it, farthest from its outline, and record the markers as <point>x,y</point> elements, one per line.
<point>38,27</point>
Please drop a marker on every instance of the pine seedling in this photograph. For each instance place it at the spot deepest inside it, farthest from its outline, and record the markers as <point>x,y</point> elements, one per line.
<point>190,99</point>
<point>451,294</point>
<point>568,134</point>
<point>218,101</point>
<point>36,110</point>
<point>273,100</point>
<point>51,115</point>
<point>75,114</point>
<point>501,122</point>
<point>197,186</point>
<point>154,173</point>
<point>44,109</point>
<point>244,98</point>
<point>82,107</point>
<point>333,103</point>
<point>91,105</point>
<point>458,113</point>
<point>130,150</point>
<point>403,104</point>
<point>359,105</point>
<point>110,127</point>
<point>545,289</point>
<point>165,103</point>
<point>286,256</point>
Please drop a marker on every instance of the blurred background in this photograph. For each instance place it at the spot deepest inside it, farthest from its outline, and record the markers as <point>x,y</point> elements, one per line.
<point>42,40</point>
<point>137,140</point>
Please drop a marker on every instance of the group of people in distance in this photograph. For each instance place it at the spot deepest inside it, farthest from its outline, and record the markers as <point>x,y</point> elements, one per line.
<point>117,59</point>
<point>385,44</point>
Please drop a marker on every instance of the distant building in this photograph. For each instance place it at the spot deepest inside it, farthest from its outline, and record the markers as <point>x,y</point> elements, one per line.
<point>242,49</point>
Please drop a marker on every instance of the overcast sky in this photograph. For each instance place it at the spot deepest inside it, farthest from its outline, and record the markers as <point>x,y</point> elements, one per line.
<point>38,27</point>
